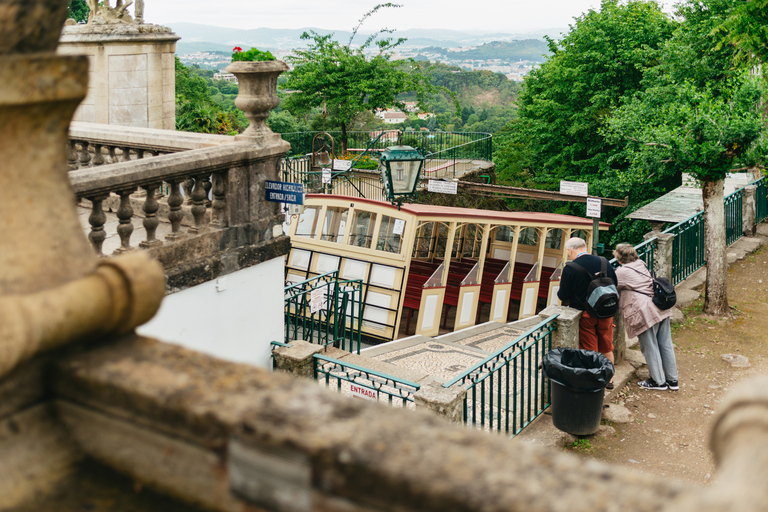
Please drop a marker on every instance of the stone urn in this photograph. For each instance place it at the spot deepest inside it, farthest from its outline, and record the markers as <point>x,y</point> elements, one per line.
<point>257,96</point>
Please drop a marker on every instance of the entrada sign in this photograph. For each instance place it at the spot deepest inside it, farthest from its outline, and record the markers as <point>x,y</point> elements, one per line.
<point>362,392</point>
<point>284,192</point>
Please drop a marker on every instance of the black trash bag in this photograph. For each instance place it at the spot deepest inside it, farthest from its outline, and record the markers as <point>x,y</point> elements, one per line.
<point>578,370</point>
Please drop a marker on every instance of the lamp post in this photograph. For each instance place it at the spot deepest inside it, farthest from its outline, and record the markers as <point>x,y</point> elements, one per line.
<point>400,168</point>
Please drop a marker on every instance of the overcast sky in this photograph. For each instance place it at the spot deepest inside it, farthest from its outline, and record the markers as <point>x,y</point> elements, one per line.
<point>475,15</point>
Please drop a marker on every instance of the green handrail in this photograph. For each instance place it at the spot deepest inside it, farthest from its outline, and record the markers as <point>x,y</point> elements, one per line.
<point>382,383</point>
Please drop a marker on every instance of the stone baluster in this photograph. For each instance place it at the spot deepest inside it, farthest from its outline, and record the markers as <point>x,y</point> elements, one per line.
<point>198,205</point>
<point>112,154</point>
<point>98,158</point>
<point>97,219</point>
<point>84,157</point>
<point>175,215</point>
<point>126,153</point>
<point>187,186</point>
<point>72,156</point>
<point>219,203</point>
<point>150,217</point>
<point>125,216</point>
<point>207,187</point>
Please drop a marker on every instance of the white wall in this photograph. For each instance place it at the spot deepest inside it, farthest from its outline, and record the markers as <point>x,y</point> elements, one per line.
<point>234,317</point>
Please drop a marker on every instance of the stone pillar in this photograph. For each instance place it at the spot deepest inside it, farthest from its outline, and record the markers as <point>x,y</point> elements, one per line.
<point>662,257</point>
<point>567,325</point>
<point>297,359</point>
<point>446,402</point>
<point>42,243</point>
<point>132,73</point>
<point>749,210</point>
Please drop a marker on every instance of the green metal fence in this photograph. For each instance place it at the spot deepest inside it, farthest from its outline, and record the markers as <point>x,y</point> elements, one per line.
<point>687,247</point>
<point>364,383</point>
<point>761,201</point>
<point>448,155</point>
<point>507,390</point>
<point>733,216</point>
<point>645,252</point>
<point>355,183</point>
<point>325,310</point>
<point>472,145</point>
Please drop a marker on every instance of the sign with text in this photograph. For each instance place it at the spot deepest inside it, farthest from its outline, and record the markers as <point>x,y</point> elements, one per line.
<point>362,393</point>
<point>317,300</point>
<point>284,192</point>
<point>574,188</point>
<point>593,207</point>
<point>327,176</point>
<point>398,227</point>
<point>342,165</point>
<point>442,187</point>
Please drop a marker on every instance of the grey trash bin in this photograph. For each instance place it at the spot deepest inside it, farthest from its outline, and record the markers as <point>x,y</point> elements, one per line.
<point>578,381</point>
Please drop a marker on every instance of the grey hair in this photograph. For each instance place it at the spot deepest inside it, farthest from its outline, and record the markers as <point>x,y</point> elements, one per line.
<point>625,253</point>
<point>575,243</point>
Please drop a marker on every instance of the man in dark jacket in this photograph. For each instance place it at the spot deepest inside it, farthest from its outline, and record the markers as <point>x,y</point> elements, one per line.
<point>595,334</point>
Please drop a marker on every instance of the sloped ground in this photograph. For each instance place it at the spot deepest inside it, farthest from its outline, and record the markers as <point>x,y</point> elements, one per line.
<point>668,433</point>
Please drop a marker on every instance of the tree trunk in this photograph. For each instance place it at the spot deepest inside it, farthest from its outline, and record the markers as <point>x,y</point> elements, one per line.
<point>716,295</point>
<point>343,138</point>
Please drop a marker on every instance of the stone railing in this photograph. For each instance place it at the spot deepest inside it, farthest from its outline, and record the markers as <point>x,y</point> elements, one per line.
<point>229,437</point>
<point>92,144</point>
<point>211,199</point>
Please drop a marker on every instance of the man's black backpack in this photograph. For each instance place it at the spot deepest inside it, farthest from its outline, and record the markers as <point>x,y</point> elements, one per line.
<point>664,296</point>
<point>602,295</point>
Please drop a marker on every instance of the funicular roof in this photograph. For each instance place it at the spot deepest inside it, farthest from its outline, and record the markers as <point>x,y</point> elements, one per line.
<point>426,210</point>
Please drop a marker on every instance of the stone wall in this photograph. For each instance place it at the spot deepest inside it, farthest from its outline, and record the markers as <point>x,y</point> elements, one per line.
<point>228,436</point>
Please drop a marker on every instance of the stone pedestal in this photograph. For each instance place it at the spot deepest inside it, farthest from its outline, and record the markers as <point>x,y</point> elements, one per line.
<point>132,79</point>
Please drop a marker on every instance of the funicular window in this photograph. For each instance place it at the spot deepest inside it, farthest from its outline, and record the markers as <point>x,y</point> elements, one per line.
<point>334,224</point>
<point>442,239</point>
<point>308,222</point>
<point>504,234</point>
<point>425,235</point>
<point>362,229</point>
<point>529,236</point>
<point>554,238</point>
<point>580,233</point>
<point>471,240</point>
<point>390,234</point>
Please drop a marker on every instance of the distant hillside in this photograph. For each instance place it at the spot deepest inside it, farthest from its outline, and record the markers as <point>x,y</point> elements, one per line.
<point>287,39</point>
<point>528,49</point>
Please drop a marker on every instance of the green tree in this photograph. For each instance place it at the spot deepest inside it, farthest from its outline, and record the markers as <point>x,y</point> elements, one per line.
<point>700,113</point>
<point>346,81</point>
<point>567,101</point>
<point>746,28</point>
<point>197,109</point>
<point>78,10</point>
<point>706,131</point>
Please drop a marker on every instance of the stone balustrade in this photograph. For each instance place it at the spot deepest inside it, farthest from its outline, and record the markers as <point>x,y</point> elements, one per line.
<point>212,197</point>
<point>93,144</point>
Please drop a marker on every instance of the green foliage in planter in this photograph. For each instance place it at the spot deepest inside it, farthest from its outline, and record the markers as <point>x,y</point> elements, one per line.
<point>251,55</point>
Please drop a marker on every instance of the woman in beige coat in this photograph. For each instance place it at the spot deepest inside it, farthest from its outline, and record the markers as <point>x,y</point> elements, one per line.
<point>643,319</point>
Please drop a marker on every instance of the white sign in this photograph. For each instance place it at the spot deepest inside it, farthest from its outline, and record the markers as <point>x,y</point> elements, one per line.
<point>326,175</point>
<point>363,393</point>
<point>342,165</point>
<point>574,188</point>
<point>593,207</point>
<point>442,187</point>
<point>399,226</point>
<point>317,300</point>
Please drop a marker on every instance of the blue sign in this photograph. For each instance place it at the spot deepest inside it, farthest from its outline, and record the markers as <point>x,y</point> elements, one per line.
<point>284,192</point>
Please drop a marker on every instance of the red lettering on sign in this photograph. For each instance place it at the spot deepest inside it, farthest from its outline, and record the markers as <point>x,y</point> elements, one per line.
<point>362,393</point>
